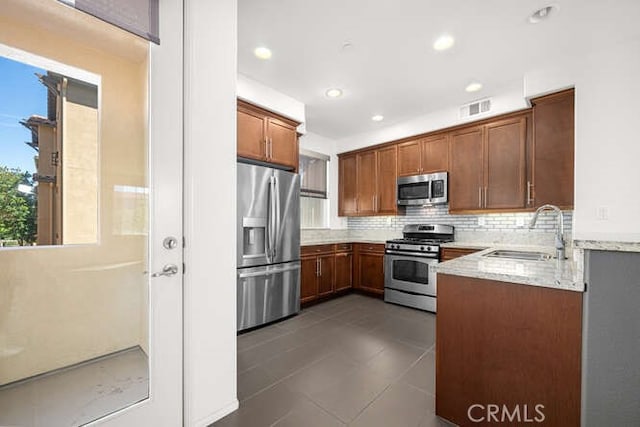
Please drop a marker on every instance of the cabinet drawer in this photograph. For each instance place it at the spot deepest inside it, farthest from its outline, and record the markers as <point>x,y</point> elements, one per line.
<point>342,247</point>
<point>452,253</point>
<point>371,247</point>
<point>316,249</point>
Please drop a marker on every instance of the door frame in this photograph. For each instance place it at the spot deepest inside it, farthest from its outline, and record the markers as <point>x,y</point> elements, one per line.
<point>164,406</point>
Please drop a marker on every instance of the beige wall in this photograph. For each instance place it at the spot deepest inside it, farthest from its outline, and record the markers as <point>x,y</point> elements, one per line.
<point>63,305</point>
<point>79,173</point>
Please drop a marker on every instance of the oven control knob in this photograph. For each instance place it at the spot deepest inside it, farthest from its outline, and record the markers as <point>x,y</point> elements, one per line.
<point>422,248</point>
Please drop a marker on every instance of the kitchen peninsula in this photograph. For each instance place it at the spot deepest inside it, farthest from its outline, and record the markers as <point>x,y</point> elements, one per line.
<point>509,331</point>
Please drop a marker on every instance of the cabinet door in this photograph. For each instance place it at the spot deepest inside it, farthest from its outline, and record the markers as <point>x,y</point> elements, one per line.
<point>251,137</point>
<point>466,167</point>
<point>344,269</point>
<point>283,143</point>
<point>308,279</point>
<point>386,201</point>
<point>409,158</point>
<point>505,172</point>
<point>347,205</point>
<point>366,171</point>
<point>435,153</point>
<point>326,279</point>
<point>371,271</point>
<point>553,140</point>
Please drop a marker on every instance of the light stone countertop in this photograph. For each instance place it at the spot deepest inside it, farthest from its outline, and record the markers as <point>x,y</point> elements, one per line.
<point>603,245</point>
<point>329,241</point>
<point>554,274</point>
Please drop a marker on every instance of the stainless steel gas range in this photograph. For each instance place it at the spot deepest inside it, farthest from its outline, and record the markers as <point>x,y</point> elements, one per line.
<point>409,273</point>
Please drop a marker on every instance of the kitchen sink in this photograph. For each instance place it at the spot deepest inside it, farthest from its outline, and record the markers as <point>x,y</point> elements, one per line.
<point>523,255</point>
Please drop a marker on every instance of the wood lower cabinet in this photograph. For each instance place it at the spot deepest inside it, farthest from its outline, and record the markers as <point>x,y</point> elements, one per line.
<point>308,279</point>
<point>326,269</point>
<point>447,254</point>
<point>344,270</point>
<point>326,274</point>
<point>266,136</point>
<point>507,344</point>
<point>553,150</point>
<point>369,266</point>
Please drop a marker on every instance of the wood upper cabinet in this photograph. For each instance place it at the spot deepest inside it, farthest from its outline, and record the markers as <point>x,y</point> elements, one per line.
<point>344,270</point>
<point>386,202</point>
<point>283,143</point>
<point>553,150</point>
<point>466,157</point>
<point>266,136</point>
<point>505,166</point>
<point>426,155</point>
<point>435,153</point>
<point>348,186</point>
<point>367,183</point>
<point>488,166</point>
<point>409,158</point>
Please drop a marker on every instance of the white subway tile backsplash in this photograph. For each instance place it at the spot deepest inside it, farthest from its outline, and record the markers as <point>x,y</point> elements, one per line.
<point>509,222</point>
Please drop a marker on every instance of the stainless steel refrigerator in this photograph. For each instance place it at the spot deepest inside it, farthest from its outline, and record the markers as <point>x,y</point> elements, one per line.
<point>268,245</point>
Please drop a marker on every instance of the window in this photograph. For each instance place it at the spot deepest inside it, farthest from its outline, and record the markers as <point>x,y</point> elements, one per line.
<point>314,203</point>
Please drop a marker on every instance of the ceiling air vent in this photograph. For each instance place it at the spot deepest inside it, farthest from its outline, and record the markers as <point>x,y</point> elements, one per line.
<point>475,108</point>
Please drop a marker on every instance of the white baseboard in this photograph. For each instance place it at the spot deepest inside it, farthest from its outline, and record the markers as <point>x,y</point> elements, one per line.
<point>225,410</point>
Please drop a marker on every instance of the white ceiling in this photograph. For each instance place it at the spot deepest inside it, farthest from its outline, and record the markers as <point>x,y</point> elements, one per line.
<point>391,68</point>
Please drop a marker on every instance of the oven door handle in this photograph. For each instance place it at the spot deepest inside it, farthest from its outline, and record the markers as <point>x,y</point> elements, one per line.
<point>431,255</point>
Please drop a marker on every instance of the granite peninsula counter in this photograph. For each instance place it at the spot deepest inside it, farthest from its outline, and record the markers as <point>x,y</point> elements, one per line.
<point>564,275</point>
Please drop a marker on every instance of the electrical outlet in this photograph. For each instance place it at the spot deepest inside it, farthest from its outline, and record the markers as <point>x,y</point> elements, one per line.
<point>481,221</point>
<point>389,220</point>
<point>519,221</point>
<point>602,213</point>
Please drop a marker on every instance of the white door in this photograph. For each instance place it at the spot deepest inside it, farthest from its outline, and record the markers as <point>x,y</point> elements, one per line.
<point>91,320</point>
<point>164,405</point>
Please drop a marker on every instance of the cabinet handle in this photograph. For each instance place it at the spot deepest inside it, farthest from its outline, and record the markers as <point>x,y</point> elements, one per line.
<point>529,198</point>
<point>485,197</point>
<point>270,148</point>
<point>317,267</point>
<point>320,264</point>
<point>480,197</point>
<point>266,148</point>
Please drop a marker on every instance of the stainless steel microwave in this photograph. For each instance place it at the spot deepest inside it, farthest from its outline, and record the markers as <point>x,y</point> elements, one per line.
<point>423,190</point>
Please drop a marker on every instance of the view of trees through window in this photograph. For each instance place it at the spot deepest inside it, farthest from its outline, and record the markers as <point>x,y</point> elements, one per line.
<point>48,157</point>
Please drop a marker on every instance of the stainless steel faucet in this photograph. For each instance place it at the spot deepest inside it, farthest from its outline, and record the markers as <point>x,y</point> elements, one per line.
<point>560,247</point>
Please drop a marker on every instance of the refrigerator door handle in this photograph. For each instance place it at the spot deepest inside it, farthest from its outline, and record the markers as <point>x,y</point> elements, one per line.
<point>278,218</point>
<point>273,221</point>
<point>268,272</point>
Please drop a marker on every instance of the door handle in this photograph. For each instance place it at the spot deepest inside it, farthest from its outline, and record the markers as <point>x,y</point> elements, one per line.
<point>168,271</point>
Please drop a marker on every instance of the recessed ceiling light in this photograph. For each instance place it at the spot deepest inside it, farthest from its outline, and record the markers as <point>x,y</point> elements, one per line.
<point>542,14</point>
<point>473,87</point>
<point>443,42</point>
<point>333,93</point>
<point>377,118</point>
<point>262,52</point>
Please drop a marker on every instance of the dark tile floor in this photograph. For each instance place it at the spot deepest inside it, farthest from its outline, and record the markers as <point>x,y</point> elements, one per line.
<point>350,361</point>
